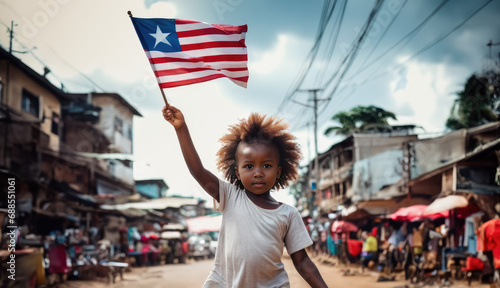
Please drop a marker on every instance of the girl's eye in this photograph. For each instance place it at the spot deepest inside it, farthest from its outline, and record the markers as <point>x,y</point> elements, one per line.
<point>267,166</point>
<point>248,166</point>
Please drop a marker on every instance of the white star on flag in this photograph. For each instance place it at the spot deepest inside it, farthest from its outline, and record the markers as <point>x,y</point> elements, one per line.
<point>160,36</point>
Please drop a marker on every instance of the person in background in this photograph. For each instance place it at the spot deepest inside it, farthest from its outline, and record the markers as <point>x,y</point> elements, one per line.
<point>396,239</point>
<point>370,248</point>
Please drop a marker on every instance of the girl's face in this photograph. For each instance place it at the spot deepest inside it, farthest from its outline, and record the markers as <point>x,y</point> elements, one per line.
<point>257,166</point>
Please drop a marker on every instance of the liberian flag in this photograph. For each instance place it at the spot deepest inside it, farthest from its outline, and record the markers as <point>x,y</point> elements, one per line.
<point>183,52</point>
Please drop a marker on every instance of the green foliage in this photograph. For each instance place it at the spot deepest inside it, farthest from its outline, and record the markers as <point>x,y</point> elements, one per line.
<point>476,104</point>
<point>359,119</point>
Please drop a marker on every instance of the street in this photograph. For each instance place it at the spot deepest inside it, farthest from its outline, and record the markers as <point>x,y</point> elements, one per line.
<point>193,274</point>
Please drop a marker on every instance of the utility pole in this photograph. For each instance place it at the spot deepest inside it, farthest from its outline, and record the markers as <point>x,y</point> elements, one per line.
<point>489,44</point>
<point>315,100</point>
<point>11,35</point>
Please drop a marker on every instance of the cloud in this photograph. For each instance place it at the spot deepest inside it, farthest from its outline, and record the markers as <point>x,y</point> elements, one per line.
<point>427,93</point>
<point>99,32</point>
<point>273,59</point>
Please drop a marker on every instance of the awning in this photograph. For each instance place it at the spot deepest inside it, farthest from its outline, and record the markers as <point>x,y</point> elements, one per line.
<point>415,213</point>
<point>204,224</point>
<point>354,213</point>
<point>58,210</point>
<point>132,213</point>
<point>171,235</point>
<point>446,203</point>
<point>160,204</point>
<point>343,227</point>
<point>385,207</point>
<point>173,227</point>
<point>73,194</point>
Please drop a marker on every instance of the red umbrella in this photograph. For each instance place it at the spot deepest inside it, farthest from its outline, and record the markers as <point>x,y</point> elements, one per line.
<point>343,226</point>
<point>415,213</point>
<point>153,236</point>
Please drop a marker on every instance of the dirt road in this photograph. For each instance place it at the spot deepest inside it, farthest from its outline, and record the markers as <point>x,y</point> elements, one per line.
<point>193,274</point>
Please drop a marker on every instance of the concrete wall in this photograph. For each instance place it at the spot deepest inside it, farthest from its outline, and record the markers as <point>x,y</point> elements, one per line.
<point>432,153</point>
<point>112,112</point>
<point>49,103</point>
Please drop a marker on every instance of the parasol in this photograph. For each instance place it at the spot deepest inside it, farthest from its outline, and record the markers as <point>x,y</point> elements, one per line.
<point>446,203</point>
<point>415,213</point>
<point>343,227</point>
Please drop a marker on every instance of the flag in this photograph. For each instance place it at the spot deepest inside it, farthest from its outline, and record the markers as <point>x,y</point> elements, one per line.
<point>184,52</point>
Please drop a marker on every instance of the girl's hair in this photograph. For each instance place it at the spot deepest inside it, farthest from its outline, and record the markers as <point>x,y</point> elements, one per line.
<point>260,129</point>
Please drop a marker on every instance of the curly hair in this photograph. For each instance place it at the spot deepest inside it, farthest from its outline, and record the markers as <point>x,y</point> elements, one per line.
<point>260,129</point>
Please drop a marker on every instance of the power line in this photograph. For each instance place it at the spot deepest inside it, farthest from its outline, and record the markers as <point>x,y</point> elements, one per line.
<point>332,43</point>
<point>28,50</point>
<point>408,36</point>
<point>78,71</point>
<point>12,38</point>
<point>352,55</point>
<point>325,18</point>
<point>432,43</point>
<point>382,37</point>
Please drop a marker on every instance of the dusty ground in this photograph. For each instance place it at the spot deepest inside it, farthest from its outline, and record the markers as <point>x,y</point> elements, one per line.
<point>193,274</point>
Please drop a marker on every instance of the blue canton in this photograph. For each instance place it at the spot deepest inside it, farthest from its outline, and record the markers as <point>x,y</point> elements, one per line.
<point>157,34</point>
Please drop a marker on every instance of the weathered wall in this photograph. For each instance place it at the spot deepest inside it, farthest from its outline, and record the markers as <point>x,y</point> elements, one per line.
<point>434,152</point>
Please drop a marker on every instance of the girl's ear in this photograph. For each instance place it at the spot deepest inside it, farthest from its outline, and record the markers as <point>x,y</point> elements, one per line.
<point>237,173</point>
<point>278,174</point>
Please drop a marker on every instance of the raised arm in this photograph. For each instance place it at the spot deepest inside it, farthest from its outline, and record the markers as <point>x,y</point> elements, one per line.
<point>306,268</point>
<point>208,181</point>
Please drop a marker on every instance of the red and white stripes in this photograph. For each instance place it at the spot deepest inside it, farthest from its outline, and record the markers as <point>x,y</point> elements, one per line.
<point>208,52</point>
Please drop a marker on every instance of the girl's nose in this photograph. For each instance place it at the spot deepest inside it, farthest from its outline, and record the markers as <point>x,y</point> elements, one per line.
<point>258,174</point>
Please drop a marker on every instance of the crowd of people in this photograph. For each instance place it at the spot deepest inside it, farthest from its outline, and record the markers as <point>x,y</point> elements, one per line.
<point>418,248</point>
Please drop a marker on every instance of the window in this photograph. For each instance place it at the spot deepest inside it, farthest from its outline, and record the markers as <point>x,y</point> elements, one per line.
<point>30,103</point>
<point>112,167</point>
<point>119,125</point>
<point>129,132</point>
<point>55,124</point>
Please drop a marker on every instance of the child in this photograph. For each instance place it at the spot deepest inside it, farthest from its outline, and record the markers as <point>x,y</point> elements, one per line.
<point>257,155</point>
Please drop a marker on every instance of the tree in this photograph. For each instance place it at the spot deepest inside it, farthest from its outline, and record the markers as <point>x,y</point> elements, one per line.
<point>360,119</point>
<point>477,104</point>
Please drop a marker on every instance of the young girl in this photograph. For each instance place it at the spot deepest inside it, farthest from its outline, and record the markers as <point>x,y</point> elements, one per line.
<point>257,155</point>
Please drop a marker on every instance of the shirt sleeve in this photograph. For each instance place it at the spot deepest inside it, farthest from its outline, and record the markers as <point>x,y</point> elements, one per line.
<point>296,237</point>
<point>224,188</point>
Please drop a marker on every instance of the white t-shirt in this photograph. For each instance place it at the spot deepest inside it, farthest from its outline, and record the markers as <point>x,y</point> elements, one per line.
<point>251,241</point>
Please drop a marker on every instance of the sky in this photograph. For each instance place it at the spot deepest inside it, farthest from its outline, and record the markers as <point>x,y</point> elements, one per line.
<point>413,71</point>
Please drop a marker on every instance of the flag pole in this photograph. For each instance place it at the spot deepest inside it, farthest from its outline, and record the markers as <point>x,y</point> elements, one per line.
<point>161,89</point>
<point>164,98</point>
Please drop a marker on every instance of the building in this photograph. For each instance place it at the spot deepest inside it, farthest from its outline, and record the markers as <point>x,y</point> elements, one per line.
<point>30,128</point>
<point>152,188</point>
<point>473,173</point>
<point>342,167</point>
<point>375,174</point>
<point>98,126</point>
<point>68,153</point>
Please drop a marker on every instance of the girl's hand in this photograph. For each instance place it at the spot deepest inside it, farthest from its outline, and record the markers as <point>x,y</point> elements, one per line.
<point>173,116</point>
